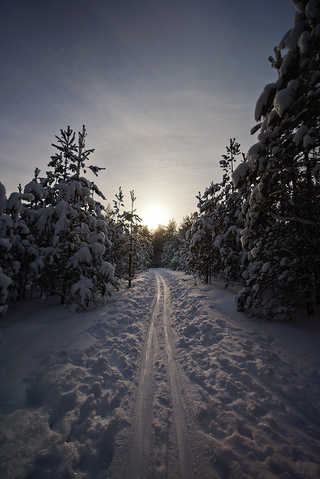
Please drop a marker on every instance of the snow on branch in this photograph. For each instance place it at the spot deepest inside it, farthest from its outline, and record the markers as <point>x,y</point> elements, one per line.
<point>284,98</point>
<point>283,219</point>
<point>264,99</point>
<point>240,173</point>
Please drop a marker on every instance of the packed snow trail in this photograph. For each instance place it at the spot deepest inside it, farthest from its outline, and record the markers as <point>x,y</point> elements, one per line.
<point>167,381</point>
<point>242,390</point>
<point>177,400</point>
<point>143,408</point>
<point>143,415</point>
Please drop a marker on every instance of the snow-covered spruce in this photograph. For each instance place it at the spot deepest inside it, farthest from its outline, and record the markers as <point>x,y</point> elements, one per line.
<point>54,236</point>
<point>215,247</point>
<point>282,222</point>
<point>15,247</point>
<point>74,245</point>
<point>131,243</point>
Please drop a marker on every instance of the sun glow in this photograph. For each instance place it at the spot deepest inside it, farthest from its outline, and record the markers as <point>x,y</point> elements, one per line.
<point>153,217</point>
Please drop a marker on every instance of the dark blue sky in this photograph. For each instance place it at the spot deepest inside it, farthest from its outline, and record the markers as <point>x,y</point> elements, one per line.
<point>161,86</point>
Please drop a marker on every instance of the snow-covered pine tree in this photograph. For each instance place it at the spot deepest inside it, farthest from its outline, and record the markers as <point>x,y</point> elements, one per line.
<point>229,220</point>
<point>70,226</point>
<point>131,221</point>
<point>282,231</point>
<point>184,233</point>
<point>117,233</point>
<point>215,240</point>
<point>145,249</point>
<point>16,248</point>
<point>204,256</point>
<point>118,205</point>
<point>228,161</point>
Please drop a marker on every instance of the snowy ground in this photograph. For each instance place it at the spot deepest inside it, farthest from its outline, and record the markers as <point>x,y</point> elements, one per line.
<point>166,381</point>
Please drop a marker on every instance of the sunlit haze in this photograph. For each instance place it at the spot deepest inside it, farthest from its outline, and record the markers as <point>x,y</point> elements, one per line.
<point>153,216</point>
<point>161,87</point>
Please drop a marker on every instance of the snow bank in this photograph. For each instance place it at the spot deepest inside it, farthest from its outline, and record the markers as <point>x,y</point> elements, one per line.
<point>68,382</point>
<point>65,384</point>
<point>258,386</point>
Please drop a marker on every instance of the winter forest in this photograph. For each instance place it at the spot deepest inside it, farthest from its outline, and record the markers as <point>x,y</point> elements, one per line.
<point>186,352</point>
<point>259,226</point>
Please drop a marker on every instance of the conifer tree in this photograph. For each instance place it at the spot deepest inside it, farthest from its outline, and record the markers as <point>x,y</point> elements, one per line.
<point>144,248</point>
<point>17,248</point>
<point>132,243</point>
<point>70,226</point>
<point>282,230</point>
<point>215,236</point>
<point>117,235</point>
<point>203,254</point>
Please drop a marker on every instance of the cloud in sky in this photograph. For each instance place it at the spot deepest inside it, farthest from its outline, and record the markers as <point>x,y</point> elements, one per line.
<point>161,87</point>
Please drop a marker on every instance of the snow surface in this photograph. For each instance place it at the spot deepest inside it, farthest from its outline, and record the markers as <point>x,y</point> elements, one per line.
<point>249,389</point>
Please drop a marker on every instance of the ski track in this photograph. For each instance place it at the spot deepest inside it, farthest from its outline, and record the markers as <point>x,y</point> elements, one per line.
<point>143,407</point>
<point>138,466</point>
<point>177,400</point>
<point>167,382</point>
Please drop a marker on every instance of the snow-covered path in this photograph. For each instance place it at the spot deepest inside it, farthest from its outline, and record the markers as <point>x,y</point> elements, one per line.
<point>185,461</point>
<point>142,419</point>
<point>143,416</point>
<point>167,381</point>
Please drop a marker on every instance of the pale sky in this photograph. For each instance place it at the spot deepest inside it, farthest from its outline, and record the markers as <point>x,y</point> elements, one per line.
<point>161,85</point>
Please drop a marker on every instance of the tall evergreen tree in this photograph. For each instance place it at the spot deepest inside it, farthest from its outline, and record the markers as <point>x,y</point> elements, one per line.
<point>204,256</point>
<point>17,248</point>
<point>215,236</point>
<point>282,230</point>
<point>117,233</point>
<point>70,226</point>
<point>131,217</point>
<point>145,249</point>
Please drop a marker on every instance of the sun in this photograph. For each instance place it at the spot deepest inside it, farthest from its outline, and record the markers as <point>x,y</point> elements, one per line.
<point>153,217</point>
